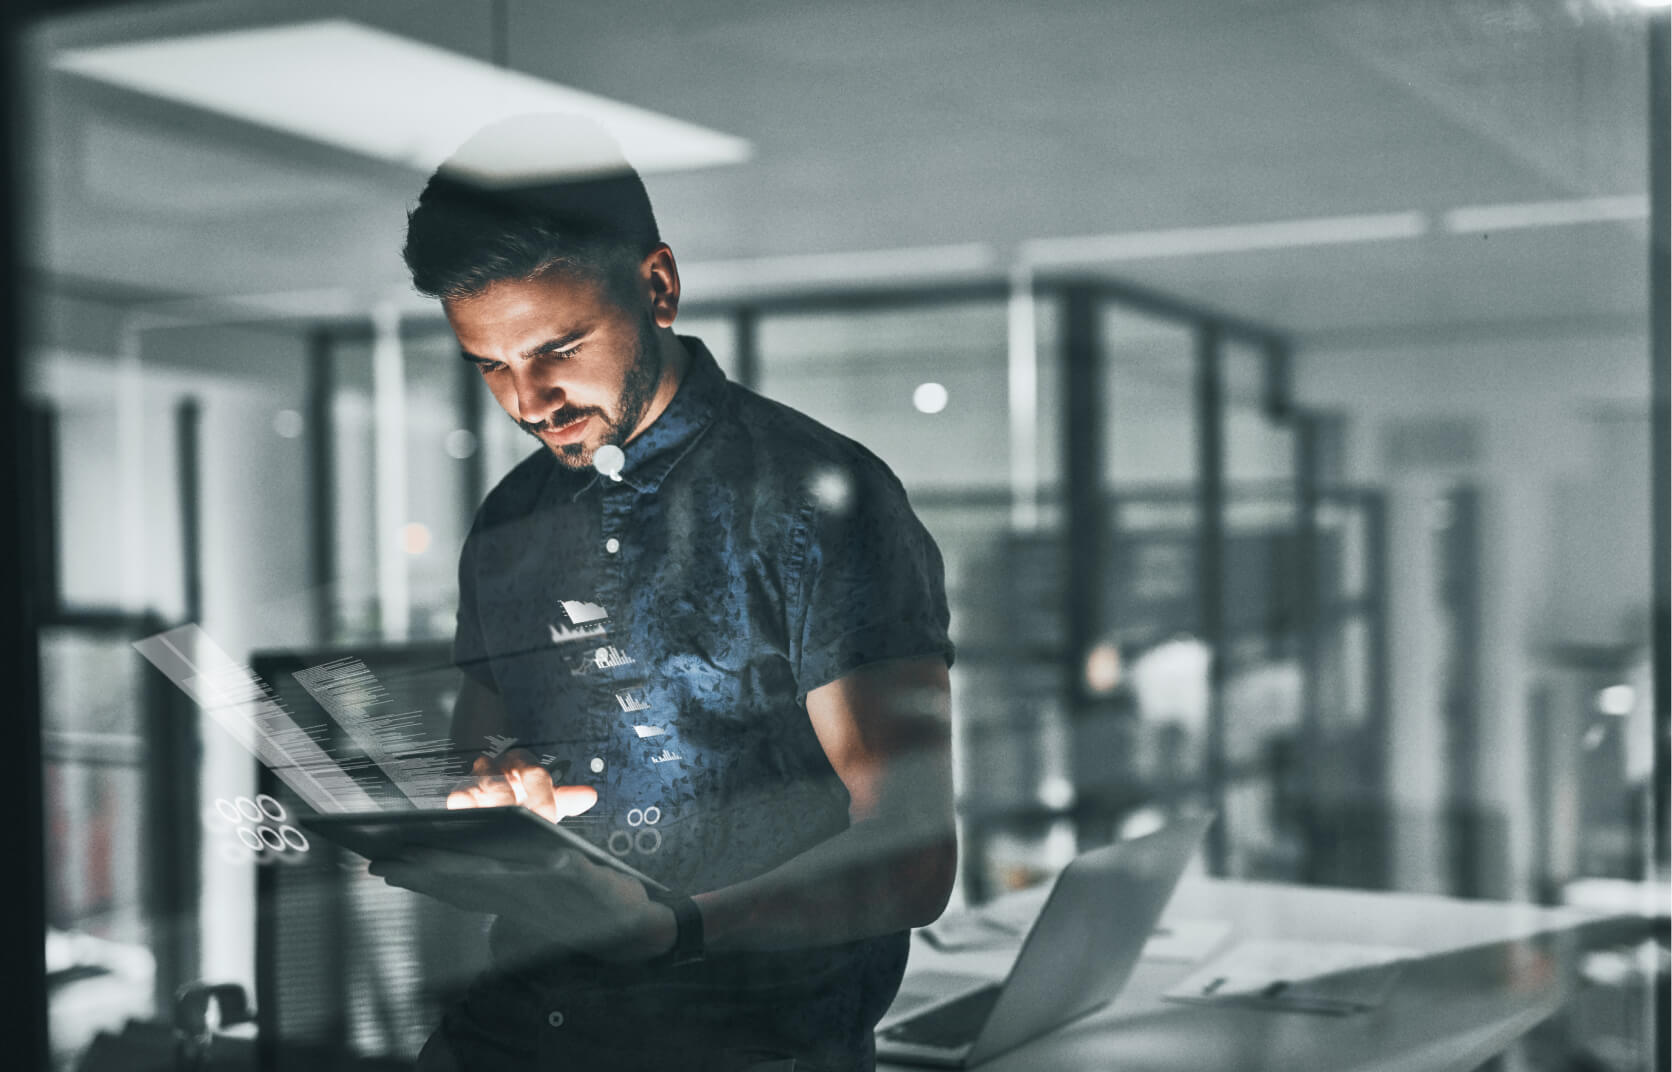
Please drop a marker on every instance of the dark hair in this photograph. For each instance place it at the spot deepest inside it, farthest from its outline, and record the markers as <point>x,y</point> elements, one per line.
<point>469,230</point>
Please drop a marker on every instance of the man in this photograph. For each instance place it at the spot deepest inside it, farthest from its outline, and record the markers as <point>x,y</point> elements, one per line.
<point>716,632</point>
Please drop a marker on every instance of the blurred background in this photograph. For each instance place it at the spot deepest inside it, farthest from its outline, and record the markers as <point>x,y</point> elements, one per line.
<point>1283,381</point>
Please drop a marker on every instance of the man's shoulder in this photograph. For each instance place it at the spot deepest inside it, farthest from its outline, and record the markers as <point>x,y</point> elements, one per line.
<point>785,443</point>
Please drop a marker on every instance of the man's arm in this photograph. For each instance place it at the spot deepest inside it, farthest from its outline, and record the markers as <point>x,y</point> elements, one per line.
<point>886,729</point>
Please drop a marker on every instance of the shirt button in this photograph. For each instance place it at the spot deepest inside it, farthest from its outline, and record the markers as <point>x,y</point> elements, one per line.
<point>554,1018</point>
<point>612,545</point>
<point>597,765</point>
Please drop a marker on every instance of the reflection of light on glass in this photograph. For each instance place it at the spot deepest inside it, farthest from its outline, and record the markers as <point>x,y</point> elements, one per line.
<point>609,459</point>
<point>1056,792</point>
<point>929,398</point>
<point>1103,669</point>
<point>1616,700</point>
<point>288,423</point>
<point>832,490</point>
<point>415,538</point>
<point>1593,736</point>
<point>459,444</point>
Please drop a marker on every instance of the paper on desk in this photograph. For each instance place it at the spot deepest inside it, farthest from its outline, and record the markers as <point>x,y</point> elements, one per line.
<point>1186,940</point>
<point>971,930</point>
<point>1325,977</point>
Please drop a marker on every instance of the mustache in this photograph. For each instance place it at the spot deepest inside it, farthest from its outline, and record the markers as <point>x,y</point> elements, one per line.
<point>556,420</point>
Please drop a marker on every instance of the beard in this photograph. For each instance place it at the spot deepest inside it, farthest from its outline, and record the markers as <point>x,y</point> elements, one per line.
<point>644,373</point>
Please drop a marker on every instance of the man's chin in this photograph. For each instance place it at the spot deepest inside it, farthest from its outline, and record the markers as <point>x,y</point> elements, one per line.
<point>572,455</point>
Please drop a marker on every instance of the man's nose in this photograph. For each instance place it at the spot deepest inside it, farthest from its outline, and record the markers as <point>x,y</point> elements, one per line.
<point>537,395</point>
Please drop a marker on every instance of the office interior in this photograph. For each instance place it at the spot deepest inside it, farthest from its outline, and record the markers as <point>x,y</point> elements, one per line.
<point>1284,383</point>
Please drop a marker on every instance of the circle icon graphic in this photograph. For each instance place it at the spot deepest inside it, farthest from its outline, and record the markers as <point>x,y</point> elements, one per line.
<point>249,810</point>
<point>270,807</point>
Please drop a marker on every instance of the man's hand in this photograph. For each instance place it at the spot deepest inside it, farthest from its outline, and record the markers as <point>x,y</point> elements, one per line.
<point>515,778</point>
<point>563,899</point>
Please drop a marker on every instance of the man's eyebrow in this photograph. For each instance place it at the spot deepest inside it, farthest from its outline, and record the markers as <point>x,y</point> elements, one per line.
<point>566,339</point>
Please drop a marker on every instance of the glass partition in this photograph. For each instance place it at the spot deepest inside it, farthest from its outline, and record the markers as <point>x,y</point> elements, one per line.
<point>1360,560</point>
<point>926,388</point>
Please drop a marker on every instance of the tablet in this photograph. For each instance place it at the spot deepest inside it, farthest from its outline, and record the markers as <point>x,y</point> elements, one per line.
<point>511,832</point>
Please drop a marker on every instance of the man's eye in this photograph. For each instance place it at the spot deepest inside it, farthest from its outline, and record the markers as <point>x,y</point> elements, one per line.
<point>485,367</point>
<point>563,355</point>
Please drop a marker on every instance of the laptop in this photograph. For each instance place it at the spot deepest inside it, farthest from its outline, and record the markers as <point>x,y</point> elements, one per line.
<point>1077,956</point>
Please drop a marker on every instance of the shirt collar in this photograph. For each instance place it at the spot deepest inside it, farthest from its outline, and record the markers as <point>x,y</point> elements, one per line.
<point>652,455</point>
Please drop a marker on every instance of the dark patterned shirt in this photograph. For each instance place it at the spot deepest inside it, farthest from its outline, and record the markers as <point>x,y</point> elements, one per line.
<point>656,636</point>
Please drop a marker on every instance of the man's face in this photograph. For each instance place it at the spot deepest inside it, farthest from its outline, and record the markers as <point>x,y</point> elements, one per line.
<point>572,364</point>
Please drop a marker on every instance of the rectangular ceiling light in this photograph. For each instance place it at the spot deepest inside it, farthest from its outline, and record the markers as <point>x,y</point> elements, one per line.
<point>381,95</point>
<point>1476,219</point>
<point>964,260</point>
<point>1233,238</point>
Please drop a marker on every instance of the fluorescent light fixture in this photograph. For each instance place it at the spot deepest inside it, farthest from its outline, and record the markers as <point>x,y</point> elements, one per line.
<point>1234,238</point>
<point>1475,219</point>
<point>381,95</point>
<point>866,266</point>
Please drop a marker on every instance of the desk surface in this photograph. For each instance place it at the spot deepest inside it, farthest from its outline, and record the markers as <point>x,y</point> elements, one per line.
<point>1490,972</point>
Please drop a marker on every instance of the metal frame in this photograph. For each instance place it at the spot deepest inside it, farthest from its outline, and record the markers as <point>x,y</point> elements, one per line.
<point>320,429</point>
<point>22,840</point>
<point>1660,446</point>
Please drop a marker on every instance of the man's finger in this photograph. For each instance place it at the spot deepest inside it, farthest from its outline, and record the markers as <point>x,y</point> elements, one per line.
<point>493,792</point>
<point>533,786</point>
<point>573,799</point>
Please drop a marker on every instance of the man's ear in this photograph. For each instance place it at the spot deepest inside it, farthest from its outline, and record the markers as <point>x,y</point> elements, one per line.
<point>660,274</point>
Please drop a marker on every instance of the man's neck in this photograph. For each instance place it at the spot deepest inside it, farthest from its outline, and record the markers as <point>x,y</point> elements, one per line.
<point>676,361</point>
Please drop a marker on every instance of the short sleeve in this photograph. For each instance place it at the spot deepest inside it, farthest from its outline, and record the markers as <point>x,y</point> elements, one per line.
<point>871,582</point>
<point>470,650</point>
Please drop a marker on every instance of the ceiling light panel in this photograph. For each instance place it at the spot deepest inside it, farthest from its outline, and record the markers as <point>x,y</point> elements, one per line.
<point>1476,218</point>
<point>384,96</point>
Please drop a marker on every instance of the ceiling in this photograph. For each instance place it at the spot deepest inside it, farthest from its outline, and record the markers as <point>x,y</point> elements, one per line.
<point>958,131</point>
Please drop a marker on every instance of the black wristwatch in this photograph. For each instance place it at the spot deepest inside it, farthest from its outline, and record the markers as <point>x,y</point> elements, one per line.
<point>687,918</point>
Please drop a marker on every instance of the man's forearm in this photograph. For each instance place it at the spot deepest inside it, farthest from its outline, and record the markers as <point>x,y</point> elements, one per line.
<point>876,877</point>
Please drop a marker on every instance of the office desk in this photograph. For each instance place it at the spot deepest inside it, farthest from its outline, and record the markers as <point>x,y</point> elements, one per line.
<point>1489,973</point>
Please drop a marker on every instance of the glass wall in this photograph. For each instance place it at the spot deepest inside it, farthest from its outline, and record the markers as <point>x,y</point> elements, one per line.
<point>1274,471</point>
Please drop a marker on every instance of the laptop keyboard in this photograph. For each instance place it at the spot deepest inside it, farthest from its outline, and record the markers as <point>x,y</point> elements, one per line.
<point>953,1024</point>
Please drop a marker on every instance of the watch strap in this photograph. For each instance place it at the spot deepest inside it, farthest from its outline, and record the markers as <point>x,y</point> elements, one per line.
<point>687,917</point>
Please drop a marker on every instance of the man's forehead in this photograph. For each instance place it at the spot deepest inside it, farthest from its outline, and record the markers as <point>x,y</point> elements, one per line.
<point>524,313</point>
